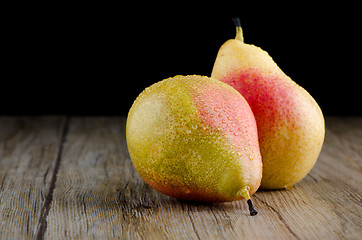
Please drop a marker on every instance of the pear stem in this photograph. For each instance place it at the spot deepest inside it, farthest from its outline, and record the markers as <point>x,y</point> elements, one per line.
<point>252,210</point>
<point>244,192</point>
<point>239,30</point>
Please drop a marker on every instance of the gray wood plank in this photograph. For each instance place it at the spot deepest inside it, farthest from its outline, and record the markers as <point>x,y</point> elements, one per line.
<point>28,153</point>
<point>75,180</point>
<point>98,194</point>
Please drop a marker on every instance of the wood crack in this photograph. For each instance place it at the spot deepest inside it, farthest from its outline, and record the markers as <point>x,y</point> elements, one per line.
<point>280,217</point>
<point>193,225</point>
<point>43,224</point>
<point>191,220</point>
<point>85,212</point>
<point>218,222</point>
<point>2,182</point>
<point>315,179</point>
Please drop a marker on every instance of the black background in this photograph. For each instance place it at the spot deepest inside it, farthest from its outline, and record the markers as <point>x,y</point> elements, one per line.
<point>96,59</point>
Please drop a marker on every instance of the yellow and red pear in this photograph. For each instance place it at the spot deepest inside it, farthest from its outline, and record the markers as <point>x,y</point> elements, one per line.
<point>195,138</point>
<point>290,123</point>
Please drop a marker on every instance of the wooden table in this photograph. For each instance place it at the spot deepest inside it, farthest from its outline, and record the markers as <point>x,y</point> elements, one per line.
<point>72,178</point>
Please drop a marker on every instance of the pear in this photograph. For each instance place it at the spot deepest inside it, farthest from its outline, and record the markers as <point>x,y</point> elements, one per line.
<point>290,123</point>
<point>195,138</point>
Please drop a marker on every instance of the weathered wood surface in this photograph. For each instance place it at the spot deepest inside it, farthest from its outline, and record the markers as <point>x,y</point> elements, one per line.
<point>72,178</point>
<point>29,153</point>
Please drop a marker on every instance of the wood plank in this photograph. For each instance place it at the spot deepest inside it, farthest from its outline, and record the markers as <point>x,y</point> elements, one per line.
<point>98,194</point>
<point>327,203</point>
<point>28,152</point>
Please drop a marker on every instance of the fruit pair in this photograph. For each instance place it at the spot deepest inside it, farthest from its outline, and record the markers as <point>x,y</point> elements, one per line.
<point>217,139</point>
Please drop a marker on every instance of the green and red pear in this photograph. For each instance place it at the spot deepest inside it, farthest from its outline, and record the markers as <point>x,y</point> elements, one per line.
<point>195,138</point>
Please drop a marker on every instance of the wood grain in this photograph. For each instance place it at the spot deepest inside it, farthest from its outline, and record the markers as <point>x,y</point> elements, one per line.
<point>28,153</point>
<point>97,194</point>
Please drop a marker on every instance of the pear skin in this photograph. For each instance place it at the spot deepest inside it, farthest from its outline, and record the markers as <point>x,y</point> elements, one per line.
<point>195,138</point>
<point>290,123</point>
